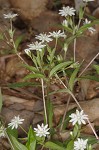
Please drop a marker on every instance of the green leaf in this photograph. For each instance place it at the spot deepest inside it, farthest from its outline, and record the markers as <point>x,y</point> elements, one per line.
<point>1,36</point>
<point>50,113</point>
<point>53,146</point>
<point>70,145</point>
<point>0,100</point>
<point>81,13</point>
<point>31,143</point>
<point>16,144</point>
<point>31,68</point>
<point>36,75</point>
<point>12,132</point>
<point>23,84</point>
<point>72,78</point>
<point>96,67</point>
<point>18,41</point>
<point>59,67</point>
<point>76,131</point>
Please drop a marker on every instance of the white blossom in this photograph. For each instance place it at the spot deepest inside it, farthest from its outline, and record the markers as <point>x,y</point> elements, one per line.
<point>80,144</point>
<point>36,46</point>
<point>15,122</point>
<point>2,131</point>
<point>42,130</point>
<point>87,1</point>
<point>91,29</point>
<point>78,117</point>
<point>67,11</point>
<point>44,37</point>
<point>57,34</point>
<point>10,16</point>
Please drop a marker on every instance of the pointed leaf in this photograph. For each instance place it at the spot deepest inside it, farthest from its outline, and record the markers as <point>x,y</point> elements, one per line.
<point>53,146</point>
<point>59,67</point>
<point>31,143</point>
<point>96,67</point>
<point>18,41</point>
<point>31,68</point>
<point>17,145</point>
<point>36,75</point>
<point>70,145</point>
<point>72,78</point>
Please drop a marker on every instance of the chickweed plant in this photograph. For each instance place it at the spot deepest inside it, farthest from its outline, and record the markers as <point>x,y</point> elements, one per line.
<point>50,63</point>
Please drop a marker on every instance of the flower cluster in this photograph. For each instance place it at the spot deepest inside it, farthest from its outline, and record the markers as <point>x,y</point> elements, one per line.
<point>42,130</point>
<point>44,38</point>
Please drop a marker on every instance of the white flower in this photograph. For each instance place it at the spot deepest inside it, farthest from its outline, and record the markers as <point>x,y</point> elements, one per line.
<point>65,23</point>
<point>10,16</point>
<point>15,122</point>
<point>91,29</point>
<point>87,1</point>
<point>2,131</point>
<point>67,11</point>
<point>42,130</point>
<point>36,46</point>
<point>57,34</point>
<point>44,37</point>
<point>78,117</point>
<point>80,144</point>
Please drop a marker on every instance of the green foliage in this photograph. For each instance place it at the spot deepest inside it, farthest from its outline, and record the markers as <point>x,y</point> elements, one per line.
<point>18,41</point>
<point>50,113</point>
<point>70,145</point>
<point>59,67</point>
<point>53,146</point>
<point>16,144</point>
<point>31,143</point>
<point>36,75</point>
<point>73,78</point>
<point>96,67</point>
<point>12,132</point>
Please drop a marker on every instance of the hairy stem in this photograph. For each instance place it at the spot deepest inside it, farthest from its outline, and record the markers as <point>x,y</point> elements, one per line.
<point>45,111</point>
<point>75,49</point>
